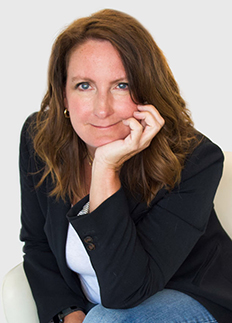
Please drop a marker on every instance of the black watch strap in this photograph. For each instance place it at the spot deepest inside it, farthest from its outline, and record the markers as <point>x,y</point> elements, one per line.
<point>67,311</point>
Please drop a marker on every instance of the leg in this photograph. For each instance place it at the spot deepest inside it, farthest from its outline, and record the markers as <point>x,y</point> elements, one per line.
<point>166,306</point>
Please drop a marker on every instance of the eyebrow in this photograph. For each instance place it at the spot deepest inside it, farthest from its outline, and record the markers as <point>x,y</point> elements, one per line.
<point>77,78</point>
<point>86,79</point>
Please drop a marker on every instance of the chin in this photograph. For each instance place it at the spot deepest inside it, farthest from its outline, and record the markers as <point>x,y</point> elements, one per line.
<point>97,141</point>
<point>103,141</point>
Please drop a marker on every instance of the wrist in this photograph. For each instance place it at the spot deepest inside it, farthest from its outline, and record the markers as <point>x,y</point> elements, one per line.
<point>66,312</point>
<point>105,173</point>
<point>75,317</point>
<point>103,165</point>
<point>106,161</point>
<point>104,183</point>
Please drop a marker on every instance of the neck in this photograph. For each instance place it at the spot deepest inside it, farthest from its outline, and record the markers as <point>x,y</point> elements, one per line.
<point>90,154</point>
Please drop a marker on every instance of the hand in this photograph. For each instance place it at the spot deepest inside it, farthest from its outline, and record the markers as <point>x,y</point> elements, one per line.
<point>75,317</point>
<point>144,125</point>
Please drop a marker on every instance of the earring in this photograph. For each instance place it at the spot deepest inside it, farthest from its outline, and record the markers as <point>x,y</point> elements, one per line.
<point>66,113</point>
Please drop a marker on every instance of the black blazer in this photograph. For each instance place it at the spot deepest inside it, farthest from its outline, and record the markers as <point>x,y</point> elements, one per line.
<point>136,251</point>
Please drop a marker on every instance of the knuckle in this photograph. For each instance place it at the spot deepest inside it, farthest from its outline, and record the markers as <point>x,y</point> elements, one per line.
<point>162,123</point>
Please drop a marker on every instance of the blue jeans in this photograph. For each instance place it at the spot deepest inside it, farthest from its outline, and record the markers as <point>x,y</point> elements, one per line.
<point>167,306</point>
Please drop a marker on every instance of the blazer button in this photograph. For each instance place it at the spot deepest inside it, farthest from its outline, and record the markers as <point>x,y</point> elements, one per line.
<point>89,243</point>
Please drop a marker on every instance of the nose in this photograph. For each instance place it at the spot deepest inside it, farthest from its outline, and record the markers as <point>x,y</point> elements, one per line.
<point>103,105</point>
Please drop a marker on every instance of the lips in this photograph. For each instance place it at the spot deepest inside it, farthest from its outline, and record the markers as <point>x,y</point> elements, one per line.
<point>105,126</point>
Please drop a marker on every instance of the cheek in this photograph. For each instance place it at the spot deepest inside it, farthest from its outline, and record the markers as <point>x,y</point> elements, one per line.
<point>78,109</point>
<point>77,114</point>
<point>77,119</point>
<point>127,108</point>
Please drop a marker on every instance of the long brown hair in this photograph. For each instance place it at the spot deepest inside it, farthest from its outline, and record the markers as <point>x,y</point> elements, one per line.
<point>151,81</point>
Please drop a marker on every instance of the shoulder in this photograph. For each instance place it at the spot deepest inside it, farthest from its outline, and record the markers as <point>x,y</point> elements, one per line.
<point>26,149</point>
<point>207,147</point>
<point>26,137</point>
<point>28,125</point>
<point>206,155</point>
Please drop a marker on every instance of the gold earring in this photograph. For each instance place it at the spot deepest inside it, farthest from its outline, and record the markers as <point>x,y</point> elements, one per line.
<point>66,113</point>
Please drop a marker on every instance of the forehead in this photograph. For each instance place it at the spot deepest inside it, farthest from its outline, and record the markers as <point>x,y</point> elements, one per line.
<point>95,55</point>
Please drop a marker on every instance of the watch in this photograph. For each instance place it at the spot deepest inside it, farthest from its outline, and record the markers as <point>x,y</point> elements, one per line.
<point>67,311</point>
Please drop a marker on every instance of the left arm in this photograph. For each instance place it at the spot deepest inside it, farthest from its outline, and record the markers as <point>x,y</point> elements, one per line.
<point>135,260</point>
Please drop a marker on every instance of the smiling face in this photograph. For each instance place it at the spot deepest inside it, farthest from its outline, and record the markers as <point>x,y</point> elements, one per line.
<point>97,94</point>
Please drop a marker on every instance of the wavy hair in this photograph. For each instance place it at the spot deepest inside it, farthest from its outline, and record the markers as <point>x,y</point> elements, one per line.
<point>150,80</point>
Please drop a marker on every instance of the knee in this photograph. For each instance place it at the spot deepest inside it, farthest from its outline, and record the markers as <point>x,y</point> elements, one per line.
<point>95,315</point>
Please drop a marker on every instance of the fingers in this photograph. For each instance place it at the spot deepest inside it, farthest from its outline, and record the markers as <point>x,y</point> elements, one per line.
<point>136,131</point>
<point>152,122</point>
<point>149,114</point>
<point>144,125</point>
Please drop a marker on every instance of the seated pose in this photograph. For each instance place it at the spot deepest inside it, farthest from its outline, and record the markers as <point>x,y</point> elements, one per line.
<point>118,187</point>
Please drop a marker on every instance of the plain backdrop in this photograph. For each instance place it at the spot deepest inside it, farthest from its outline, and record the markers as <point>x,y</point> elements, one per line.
<point>195,36</point>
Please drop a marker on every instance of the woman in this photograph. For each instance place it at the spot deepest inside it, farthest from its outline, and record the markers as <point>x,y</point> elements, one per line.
<point>118,187</point>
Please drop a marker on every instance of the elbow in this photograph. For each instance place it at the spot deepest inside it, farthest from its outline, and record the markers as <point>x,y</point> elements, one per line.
<point>125,300</point>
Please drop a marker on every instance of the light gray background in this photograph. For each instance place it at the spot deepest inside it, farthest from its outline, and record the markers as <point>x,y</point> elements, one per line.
<point>195,36</point>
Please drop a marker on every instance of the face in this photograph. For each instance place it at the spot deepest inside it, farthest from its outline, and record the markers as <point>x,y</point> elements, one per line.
<point>97,94</point>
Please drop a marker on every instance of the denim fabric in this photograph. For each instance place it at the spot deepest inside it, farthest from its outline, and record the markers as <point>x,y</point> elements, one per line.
<point>167,306</point>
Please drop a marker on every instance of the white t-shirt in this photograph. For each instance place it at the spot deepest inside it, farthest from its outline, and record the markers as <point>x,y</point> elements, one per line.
<point>78,260</point>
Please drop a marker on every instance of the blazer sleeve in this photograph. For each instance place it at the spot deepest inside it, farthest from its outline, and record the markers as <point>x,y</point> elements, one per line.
<point>49,289</point>
<point>135,259</point>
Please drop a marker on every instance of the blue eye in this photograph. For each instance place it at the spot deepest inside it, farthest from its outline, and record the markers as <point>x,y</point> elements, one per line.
<point>83,86</point>
<point>123,86</point>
